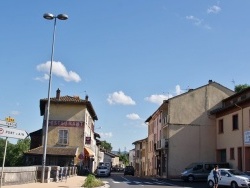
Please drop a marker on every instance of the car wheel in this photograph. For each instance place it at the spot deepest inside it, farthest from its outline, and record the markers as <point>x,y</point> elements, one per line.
<point>210,183</point>
<point>190,178</point>
<point>234,184</point>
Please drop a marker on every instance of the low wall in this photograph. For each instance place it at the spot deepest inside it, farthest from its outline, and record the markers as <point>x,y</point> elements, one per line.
<point>31,174</point>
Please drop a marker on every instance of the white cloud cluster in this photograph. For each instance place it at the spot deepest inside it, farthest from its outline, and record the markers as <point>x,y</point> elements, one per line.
<point>133,116</point>
<point>58,69</point>
<point>120,98</point>
<point>158,98</point>
<point>213,9</point>
<point>106,135</point>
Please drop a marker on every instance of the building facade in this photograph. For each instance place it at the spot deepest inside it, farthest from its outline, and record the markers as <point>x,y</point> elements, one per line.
<point>71,139</point>
<point>233,130</point>
<point>182,131</point>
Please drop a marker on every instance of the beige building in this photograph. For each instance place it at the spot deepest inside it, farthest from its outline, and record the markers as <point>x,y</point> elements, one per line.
<point>233,130</point>
<point>141,157</point>
<point>188,130</point>
<point>71,137</point>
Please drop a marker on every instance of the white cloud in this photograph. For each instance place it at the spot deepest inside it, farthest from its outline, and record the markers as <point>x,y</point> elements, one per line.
<point>213,9</point>
<point>178,90</point>
<point>106,135</point>
<point>15,113</point>
<point>195,20</point>
<point>158,99</point>
<point>133,116</point>
<point>58,69</point>
<point>120,98</point>
<point>198,22</point>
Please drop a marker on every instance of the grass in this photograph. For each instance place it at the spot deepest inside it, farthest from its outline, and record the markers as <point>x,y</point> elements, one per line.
<point>91,181</point>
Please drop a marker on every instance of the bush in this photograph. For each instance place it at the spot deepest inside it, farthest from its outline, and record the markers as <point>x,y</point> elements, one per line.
<point>91,181</point>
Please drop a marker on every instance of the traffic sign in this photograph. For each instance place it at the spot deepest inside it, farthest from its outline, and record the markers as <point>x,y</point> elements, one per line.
<point>13,133</point>
<point>9,124</point>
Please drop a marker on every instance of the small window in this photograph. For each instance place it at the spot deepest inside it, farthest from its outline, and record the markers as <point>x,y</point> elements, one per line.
<point>63,137</point>
<point>232,153</point>
<point>235,122</point>
<point>221,126</point>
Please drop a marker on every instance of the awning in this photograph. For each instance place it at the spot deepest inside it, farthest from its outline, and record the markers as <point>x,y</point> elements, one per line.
<point>88,151</point>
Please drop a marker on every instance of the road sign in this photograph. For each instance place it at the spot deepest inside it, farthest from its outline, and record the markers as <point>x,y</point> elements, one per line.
<point>13,133</point>
<point>6,123</point>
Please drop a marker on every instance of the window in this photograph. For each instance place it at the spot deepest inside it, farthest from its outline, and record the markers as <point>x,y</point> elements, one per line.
<point>221,126</point>
<point>235,122</point>
<point>63,137</point>
<point>232,153</point>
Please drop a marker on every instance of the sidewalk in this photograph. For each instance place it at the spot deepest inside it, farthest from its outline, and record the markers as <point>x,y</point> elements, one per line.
<point>72,182</point>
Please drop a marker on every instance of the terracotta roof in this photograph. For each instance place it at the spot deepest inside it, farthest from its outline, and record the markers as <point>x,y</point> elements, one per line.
<point>69,100</point>
<point>62,151</point>
<point>138,141</point>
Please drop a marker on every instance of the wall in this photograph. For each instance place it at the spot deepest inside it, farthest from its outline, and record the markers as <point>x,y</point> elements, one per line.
<point>31,174</point>
<point>192,136</point>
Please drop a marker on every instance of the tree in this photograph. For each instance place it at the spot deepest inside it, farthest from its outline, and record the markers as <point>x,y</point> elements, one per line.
<point>107,146</point>
<point>14,152</point>
<point>240,87</point>
<point>124,158</point>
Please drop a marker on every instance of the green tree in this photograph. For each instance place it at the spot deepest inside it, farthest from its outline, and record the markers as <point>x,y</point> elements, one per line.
<point>124,158</point>
<point>107,146</point>
<point>14,152</point>
<point>240,87</point>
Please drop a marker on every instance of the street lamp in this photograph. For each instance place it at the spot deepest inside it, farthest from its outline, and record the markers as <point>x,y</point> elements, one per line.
<point>49,16</point>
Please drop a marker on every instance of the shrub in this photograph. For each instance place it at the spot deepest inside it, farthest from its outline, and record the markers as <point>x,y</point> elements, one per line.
<point>91,181</point>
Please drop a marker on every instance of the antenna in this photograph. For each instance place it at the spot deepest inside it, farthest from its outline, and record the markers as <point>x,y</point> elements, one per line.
<point>233,82</point>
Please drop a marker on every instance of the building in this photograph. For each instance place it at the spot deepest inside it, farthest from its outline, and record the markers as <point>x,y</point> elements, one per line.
<point>131,157</point>
<point>71,138</point>
<point>141,157</point>
<point>233,130</point>
<point>182,131</point>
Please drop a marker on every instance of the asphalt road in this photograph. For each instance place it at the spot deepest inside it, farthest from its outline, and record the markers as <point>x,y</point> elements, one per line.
<point>117,179</point>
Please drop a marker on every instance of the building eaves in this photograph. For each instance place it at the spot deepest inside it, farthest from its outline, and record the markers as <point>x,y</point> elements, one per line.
<point>62,151</point>
<point>68,100</point>
<point>138,141</point>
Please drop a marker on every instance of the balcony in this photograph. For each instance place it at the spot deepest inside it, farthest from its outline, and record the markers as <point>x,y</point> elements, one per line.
<point>161,144</point>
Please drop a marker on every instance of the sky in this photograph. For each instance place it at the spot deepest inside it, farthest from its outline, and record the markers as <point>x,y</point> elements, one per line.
<point>126,55</point>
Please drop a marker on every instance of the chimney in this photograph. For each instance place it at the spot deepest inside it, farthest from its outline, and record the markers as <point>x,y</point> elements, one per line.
<point>86,97</point>
<point>58,94</point>
<point>210,81</point>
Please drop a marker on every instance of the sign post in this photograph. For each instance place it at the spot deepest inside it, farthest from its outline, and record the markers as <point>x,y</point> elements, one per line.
<point>6,131</point>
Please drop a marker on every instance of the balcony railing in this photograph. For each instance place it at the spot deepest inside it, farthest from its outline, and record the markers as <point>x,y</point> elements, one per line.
<point>161,144</point>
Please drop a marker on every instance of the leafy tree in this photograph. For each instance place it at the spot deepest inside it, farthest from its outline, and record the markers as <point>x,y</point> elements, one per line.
<point>240,87</point>
<point>124,158</point>
<point>14,152</point>
<point>107,146</point>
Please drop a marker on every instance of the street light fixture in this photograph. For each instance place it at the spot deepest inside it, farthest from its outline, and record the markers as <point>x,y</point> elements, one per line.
<point>49,16</point>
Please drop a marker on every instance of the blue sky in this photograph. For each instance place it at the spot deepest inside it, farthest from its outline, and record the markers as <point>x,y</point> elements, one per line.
<point>126,55</point>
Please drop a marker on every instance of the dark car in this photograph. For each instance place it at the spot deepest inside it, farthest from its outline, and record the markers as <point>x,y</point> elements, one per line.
<point>129,170</point>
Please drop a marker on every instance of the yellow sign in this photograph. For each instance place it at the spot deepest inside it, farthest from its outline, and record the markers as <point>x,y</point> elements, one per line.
<point>9,119</point>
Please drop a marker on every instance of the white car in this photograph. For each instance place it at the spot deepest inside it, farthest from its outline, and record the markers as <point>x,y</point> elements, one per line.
<point>230,177</point>
<point>103,171</point>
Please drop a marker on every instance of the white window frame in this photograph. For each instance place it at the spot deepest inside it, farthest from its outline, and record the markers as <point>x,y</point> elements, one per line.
<point>63,136</point>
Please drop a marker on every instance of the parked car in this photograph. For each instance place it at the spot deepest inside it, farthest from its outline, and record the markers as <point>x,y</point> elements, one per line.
<point>129,170</point>
<point>230,177</point>
<point>200,170</point>
<point>103,171</point>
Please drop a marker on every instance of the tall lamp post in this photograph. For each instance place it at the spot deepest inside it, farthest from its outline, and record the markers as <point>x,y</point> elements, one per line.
<point>49,16</point>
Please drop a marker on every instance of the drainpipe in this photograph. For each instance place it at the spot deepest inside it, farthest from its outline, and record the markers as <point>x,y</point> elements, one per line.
<point>243,141</point>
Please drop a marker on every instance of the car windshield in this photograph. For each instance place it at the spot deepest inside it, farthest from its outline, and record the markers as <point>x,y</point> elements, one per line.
<point>102,167</point>
<point>191,166</point>
<point>236,172</point>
